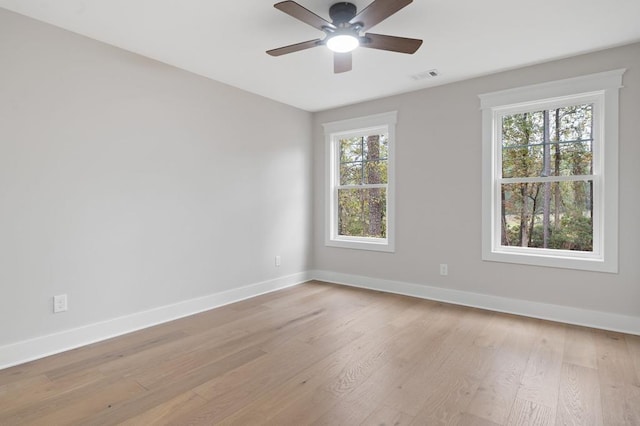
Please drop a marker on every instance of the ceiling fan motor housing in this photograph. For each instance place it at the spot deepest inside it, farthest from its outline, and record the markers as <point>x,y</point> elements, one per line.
<point>342,12</point>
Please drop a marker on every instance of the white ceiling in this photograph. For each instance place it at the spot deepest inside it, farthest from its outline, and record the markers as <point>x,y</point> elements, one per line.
<point>226,40</point>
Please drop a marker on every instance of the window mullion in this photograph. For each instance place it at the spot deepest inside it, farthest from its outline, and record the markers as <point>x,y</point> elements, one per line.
<point>542,179</point>
<point>363,186</point>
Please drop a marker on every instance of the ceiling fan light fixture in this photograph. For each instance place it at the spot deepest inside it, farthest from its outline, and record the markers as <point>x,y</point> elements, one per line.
<point>343,43</point>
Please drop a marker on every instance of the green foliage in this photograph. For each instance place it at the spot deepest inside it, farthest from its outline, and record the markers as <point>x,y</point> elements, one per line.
<point>537,144</point>
<point>575,233</point>
<point>355,213</point>
<point>362,208</point>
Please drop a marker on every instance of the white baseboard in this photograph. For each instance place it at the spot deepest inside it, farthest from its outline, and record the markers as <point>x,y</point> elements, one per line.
<point>39,347</point>
<point>565,314</point>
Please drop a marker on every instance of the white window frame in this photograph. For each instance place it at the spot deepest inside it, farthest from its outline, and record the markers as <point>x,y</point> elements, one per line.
<point>599,89</point>
<point>362,126</point>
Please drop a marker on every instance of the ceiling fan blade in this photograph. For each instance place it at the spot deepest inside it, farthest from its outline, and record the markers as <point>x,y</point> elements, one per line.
<point>378,11</point>
<point>293,9</point>
<point>341,62</point>
<point>392,43</point>
<point>294,47</point>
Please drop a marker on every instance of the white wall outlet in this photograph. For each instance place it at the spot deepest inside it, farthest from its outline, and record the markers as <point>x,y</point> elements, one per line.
<point>444,269</point>
<point>60,303</point>
<point>278,261</point>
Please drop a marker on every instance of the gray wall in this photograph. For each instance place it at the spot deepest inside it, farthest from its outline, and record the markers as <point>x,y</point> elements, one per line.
<point>128,184</point>
<point>438,210</point>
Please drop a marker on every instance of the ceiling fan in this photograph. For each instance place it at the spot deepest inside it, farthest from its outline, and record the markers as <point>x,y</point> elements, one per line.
<point>343,34</point>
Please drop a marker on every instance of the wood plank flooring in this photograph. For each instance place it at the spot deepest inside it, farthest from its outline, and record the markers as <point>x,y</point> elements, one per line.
<point>321,354</point>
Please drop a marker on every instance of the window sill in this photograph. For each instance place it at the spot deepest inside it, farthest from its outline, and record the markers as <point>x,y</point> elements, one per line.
<point>584,262</point>
<point>372,244</point>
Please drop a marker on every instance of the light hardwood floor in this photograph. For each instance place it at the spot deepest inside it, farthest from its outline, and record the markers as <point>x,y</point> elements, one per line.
<point>328,355</point>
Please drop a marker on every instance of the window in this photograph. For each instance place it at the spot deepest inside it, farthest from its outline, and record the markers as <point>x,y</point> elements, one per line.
<point>360,182</point>
<point>550,173</point>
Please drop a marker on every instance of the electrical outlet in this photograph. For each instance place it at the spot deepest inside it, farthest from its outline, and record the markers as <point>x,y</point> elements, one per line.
<point>60,303</point>
<point>444,269</point>
<point>278,261</point>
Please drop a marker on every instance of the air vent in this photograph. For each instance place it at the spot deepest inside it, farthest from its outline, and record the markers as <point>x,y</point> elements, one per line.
<point>426,74</point>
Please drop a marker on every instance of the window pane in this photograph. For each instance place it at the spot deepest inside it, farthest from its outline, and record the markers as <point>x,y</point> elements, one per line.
<point>522,161</point>
<point>351,173</point>
<point>572,123</point>
<point>375,172</point>
<point>362,212</point>
<point>350,150</point>
<point>555,142</point>
<point>573,158</point>
<point>376,147</point>
<point>363,160</point>
<point>554,215</point>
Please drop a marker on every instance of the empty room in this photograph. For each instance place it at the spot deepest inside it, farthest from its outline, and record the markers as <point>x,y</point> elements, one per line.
<point>376,212</point>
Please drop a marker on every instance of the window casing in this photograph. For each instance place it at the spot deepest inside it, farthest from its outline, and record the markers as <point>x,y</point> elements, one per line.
<point>360,182</point>
<point>574,124</point>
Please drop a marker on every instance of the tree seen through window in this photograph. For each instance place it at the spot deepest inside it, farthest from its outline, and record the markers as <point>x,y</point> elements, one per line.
<point>547,183</point>
<point>362,192</point>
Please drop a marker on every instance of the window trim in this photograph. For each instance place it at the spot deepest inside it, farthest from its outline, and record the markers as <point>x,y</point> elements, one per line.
<point>603,90</point>
<point>361,126</point>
